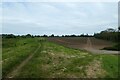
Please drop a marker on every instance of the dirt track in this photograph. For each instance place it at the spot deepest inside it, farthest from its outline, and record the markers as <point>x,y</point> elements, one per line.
<point>92,49</point>
<point>90,44</point>
<point>15,71</point>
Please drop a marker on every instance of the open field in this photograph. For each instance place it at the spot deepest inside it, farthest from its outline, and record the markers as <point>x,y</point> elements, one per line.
<point>81,42</point>
<point>85,43</point>
<point>40,58</point>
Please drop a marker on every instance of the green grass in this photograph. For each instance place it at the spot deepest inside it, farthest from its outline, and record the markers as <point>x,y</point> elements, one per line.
<point>110,64</point>
<point>14,51</point>
<point>53,60</point>
<point>56,61</point>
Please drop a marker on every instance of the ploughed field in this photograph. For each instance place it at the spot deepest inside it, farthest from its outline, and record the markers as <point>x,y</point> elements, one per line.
<point>81,42</point>
<point>84,43</point>
<point>43,58</point>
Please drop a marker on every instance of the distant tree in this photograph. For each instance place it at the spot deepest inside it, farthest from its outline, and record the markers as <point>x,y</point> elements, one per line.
<point>109,34</point>
<point>9,36</point>
<point>23,36</point>
<point>82,35</point>
<point>45,35</point>
<point>52,35</point>
<point>28,35</point>
<point>66,35</point>
<point>57,36</point>
<point>110,30</point>
<point>63,36</point>
<point>73,35</point>
<point>37,35</point>
<point>119,28</point>
<point>32,36</point>
<point>18,36</point>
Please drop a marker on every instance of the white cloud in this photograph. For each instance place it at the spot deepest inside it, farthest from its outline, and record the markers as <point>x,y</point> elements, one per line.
<point>58,18</point>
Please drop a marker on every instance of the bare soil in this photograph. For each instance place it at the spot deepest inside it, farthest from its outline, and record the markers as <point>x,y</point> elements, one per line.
<point>85,43</point>
<point>94,70</point>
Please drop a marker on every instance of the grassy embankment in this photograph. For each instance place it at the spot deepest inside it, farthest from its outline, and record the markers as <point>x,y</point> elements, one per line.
<point>53,60</point>
<point>14,51</point>
<point>57,61</point>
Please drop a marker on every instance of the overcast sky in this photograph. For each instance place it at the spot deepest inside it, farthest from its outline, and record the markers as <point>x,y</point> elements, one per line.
<point>58,18</point>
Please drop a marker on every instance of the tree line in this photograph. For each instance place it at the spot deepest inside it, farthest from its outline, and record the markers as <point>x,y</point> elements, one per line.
<point>109,34</point>
<point>32,36</point>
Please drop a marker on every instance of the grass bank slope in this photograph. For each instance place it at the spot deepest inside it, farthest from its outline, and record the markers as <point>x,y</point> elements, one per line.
<point>14,51</point>
<point>56,61</point>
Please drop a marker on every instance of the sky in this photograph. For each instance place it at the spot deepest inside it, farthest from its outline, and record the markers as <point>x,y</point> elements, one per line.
<point>58,18</point>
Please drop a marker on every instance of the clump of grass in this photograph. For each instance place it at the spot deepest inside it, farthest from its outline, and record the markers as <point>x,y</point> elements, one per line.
<point>110,64</point>
<point>15,51</point>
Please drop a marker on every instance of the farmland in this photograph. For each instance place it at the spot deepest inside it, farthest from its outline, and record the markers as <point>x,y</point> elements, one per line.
<point>90,44</point>
<point>56,58</point>
<point>81,42</point>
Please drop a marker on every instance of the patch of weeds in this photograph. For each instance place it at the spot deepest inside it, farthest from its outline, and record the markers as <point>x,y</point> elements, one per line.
<point>110,64</point>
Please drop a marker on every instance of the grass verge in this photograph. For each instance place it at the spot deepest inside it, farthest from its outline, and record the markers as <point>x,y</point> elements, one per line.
<point>15,51</point>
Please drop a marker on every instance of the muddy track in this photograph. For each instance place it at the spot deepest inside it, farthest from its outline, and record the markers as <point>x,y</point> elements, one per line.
<point>89,44</point>
<point>17,69</point>
<point>90,48</point>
